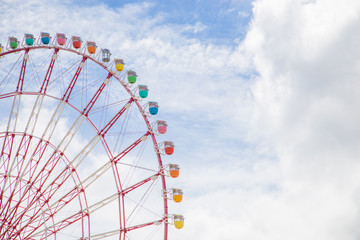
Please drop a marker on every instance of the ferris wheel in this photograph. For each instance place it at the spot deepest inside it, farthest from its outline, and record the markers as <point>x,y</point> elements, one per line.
<point>79,152</point>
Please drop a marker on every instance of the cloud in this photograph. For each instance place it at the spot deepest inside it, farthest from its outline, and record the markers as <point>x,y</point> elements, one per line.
<point>305,109</point>
<point>197,27</point>
<point>243,14</point>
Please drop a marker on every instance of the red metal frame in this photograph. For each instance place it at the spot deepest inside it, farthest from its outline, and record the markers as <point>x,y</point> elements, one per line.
<point>42,146</point>
<point>88,107</point>
<point>49,71</point>
<point>128,149</point>
<point>20,85</point>
<point>73,81</point>
<point>114,119</point>
<point>11,213</point>
<point>6,160</point>
<point>24,144</point>
<point>139,184</point>
<point>30,223</point>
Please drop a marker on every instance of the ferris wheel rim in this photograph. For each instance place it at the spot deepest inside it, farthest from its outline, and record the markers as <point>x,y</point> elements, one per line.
<point>134,98</point>
<point>74,175</point>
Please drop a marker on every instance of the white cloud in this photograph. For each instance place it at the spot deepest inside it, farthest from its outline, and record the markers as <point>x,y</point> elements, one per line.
<point>195,28</point>
<point>243,14</point>
<point>305,107</point>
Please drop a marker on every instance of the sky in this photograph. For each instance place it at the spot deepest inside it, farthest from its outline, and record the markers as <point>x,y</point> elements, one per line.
<point>261,98</point>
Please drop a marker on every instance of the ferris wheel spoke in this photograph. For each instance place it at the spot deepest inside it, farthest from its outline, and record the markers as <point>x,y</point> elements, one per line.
<point>156,222</point>
<point>31,123</point>
<point>5,158</point>
<point>39,215</point>
<point>118,157</point>
<point>70,88</point>
<point>7,76</point>
<point>107,127</point>
<point>115,196</point>
<point>139,184</point>
<point>58,226</point>
<point>30,199</point>
<point>102,203</point>
<point>49,130</point>
<point>32,75</point>
<point>139,204</point>
<point>41,178</point>
<point>47,214</point>
<point>55,157</point>
<point>57,114</point>
<point>136,166</point>
<point>14,113</point>
<point>16,165</point>
<point>17,97</point>
<point>123,230</point>
<point>33,163</point>
<point>6,151</point>
<point>21,223</point>
<point>91,145</point>
<point>92,178</point>
<point>89,106</point>
<point>24,144</point>
<point>111,123</point>
<point>39,212</point>
<point>104,235</point>
<point>40,97</point>
<point>95,175</point>
<point>20,85</point>
<point>65,72</point>
<point>103,169</point>
<point>49,71</point>
<point>43,175</point>
<point>75,127</point>
<point>85,151</point>
<point>56,207</point>
<point>30,126</point>
<point>20,155</point>
<point>107,106</point>
<point>71,133</point>
<point>7,95</point>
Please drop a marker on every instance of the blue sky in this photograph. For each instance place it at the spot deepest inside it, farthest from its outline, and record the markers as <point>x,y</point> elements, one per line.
<point>221,22</point>
<point>261,98</point>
